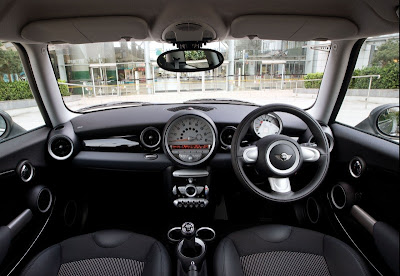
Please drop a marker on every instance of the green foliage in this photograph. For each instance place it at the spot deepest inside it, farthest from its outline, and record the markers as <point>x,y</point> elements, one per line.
<point>313,76</point>
<point>16,90</point>
<point>20,90</point>
<point>389,78</point>
<point>10,63</point>
<point>386,53</point>
<point>63,88</point>
<point>195,55</point>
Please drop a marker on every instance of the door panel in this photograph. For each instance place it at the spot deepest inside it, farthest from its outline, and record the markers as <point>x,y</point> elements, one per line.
<point>375,193</point>
<point>25,202</point>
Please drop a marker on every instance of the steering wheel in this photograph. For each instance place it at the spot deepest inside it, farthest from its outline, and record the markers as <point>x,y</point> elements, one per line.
<point>278,157</point>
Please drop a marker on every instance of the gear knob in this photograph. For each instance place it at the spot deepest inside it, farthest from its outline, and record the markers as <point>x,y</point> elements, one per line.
<point>188,230</point>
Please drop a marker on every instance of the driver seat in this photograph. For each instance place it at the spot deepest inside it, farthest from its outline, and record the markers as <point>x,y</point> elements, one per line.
<point>282,250</point>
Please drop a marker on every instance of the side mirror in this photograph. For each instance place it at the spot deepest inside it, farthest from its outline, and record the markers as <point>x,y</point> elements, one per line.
<point>388,122</point>
<point>5,124</point>
<point>190,60</point>
<point>383,120</point>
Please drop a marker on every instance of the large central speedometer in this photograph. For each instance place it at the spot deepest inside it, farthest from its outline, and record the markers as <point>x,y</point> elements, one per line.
<point>190,139</point>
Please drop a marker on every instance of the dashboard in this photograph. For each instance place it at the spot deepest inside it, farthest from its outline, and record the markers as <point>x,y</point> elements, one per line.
<point>154,137</point>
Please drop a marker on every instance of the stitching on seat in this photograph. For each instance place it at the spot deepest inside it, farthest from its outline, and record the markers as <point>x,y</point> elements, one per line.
<point>323,252</point>
<point>234,245</point>
<point>290,234</point>
<point>92,235</point>
<point>159,249</point>
<point>36,258</point>
<point>356,257</point>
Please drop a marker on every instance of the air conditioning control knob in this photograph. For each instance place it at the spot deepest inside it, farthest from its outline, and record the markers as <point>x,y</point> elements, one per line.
<point>190,190</point>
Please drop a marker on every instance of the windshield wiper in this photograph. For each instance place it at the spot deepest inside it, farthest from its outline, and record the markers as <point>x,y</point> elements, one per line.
<point>111,104</point>
<point>222,100</point>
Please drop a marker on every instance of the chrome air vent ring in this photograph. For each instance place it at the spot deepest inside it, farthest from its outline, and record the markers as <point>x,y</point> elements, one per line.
<point>150,137</point>
<point>60,147</point>
<point>226,135</point>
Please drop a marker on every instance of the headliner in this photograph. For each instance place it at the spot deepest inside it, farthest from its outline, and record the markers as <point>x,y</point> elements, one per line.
<point>372,17</point>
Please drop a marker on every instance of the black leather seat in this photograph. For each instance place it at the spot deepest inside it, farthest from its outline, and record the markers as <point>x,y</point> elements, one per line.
<point>109,252</point>
<point>285,251</point>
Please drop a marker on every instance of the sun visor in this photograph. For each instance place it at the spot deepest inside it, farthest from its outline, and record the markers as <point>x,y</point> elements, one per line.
<point>86,30</point>
<point>293,27</point>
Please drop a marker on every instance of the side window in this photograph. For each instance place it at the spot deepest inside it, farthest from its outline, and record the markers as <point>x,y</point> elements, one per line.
<point>19,112</point>
<point>372,99</point>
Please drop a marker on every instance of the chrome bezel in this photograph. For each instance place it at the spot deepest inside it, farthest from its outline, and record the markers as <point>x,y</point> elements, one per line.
<point>272,115</point>
<point>222,131</point>
<point>166,145</point>
<point>296,152</point>
<point>26,163</point>
<point>362,167</point>
<point>142,134</point>
<point>52,153</point>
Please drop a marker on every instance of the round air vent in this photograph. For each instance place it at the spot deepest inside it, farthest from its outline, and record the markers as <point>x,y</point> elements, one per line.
<point>60,147</point>
<point>150,137</point>
<point>227,135</point>
<point>26,171</point>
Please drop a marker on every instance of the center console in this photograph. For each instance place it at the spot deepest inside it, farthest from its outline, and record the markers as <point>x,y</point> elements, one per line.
<point>190,188</point>
<point>189,199</point>
<point>191,248</point>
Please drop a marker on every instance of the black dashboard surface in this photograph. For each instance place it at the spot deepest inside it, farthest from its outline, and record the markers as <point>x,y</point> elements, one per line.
<point>125,120</point>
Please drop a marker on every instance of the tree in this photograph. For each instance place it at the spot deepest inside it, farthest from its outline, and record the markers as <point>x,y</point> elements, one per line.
<point>9,63</point>
<point>387,53</point>
<point>195,55</point>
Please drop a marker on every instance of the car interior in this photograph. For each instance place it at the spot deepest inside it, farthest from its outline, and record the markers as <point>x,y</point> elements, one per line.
<point>119,177</point>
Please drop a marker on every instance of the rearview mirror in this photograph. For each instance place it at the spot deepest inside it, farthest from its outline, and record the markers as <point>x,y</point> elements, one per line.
<point>190,60</point>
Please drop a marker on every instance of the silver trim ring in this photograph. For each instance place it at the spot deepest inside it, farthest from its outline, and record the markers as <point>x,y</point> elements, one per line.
<point>50,200</point>
<point>27,163</point>
<point>223,130</point>
<point>351,169</point>
<point>333,198</point>
<point>273,115</point>
<point>190,186</point>
<point>203,229</point>
<point>197,241</point>
<point>293,167</point>
<point>144,131</point>
<point>51,152</point>
<point>212,148</point>
<point>172,230</point>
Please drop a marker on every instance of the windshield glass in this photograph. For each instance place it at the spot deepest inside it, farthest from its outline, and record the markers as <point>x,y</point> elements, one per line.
<point>109,74</point>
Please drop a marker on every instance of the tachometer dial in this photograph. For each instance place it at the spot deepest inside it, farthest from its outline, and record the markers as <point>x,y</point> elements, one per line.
<point>190,139</point>
<point>267,124</point>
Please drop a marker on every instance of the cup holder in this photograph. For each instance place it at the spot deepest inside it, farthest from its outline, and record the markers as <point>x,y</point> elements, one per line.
<point>174,234</point>
<point>207,234</point>
<point>186,257</point>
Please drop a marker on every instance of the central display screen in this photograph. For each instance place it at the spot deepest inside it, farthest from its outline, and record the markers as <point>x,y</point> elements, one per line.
<point>190,146</point>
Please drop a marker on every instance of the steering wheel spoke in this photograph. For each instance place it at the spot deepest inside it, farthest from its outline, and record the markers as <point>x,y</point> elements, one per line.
<point>280,185</point>
<point>310,154</point>
<point>277,157</point>
<point>249,154</point>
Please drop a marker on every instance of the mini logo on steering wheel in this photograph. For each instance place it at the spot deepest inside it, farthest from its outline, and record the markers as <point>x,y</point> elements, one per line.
<point>283,156</point>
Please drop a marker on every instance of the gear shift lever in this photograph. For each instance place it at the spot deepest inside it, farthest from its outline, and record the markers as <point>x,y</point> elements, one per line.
<point>189,234</point>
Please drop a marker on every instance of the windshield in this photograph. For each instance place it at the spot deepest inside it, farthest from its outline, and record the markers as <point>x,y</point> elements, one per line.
<point>255,71</point>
